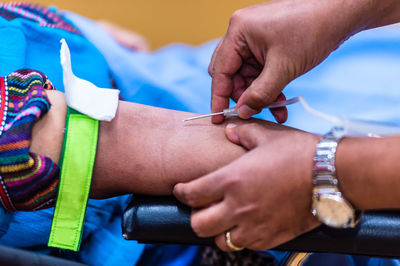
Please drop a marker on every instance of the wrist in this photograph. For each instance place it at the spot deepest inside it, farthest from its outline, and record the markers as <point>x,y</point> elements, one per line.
<point>356,172</point>
<point>346,18</point>
<point>48,132</point>
<point>383,12</point>
<point>367,171</point>
<point>367,14</point>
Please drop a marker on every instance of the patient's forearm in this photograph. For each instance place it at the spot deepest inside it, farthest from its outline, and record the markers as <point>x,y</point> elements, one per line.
<point>144,149</point>
<point>148,150</point>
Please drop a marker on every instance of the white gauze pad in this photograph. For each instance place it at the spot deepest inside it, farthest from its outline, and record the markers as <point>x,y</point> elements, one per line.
<point>85,97</point>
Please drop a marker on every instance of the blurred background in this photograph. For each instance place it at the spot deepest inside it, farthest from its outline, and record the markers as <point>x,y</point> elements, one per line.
<point>161,22</point>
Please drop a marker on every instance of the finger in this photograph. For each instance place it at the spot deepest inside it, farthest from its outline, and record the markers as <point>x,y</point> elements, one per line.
<point>239,237</point>
<point>211,65</point>
<point>262,92</point>
<point>222,87</point>
<point>281,113</point>
<point>200,192</point>
<point>227,62</point>
<point>249,135</point>
<point>242,80</point>
<point>213,220</point>
<point>239,86</point>
<point>220,241</point>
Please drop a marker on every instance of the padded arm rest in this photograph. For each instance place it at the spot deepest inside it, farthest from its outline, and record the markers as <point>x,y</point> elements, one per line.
<point>155,219</point>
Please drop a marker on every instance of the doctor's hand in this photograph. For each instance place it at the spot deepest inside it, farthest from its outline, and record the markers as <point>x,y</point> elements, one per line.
<point>268,45</point>
<point>264,197</point>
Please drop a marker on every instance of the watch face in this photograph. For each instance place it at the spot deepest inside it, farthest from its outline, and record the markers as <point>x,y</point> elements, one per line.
<point>333,211</point>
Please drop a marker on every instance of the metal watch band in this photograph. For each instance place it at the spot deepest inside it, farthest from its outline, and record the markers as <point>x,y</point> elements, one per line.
<point>324,170</point>
<point>328,203</point>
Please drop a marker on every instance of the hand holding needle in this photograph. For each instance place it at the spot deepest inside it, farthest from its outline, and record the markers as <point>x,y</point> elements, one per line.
<point>233,110</point>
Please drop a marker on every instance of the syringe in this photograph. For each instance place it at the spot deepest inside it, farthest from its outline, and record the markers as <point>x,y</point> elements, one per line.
<point>233,110</point>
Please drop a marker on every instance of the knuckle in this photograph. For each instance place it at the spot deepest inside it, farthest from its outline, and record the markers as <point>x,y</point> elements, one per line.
<point>240,18</point>
<point>232,182</point>
<point>259,98</point>
<point>236,17</point>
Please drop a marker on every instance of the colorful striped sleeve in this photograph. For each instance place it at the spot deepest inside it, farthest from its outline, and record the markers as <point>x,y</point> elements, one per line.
<point>28,181</point>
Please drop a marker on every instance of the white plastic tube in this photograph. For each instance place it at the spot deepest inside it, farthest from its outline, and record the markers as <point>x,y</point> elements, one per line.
<point>351,127</point>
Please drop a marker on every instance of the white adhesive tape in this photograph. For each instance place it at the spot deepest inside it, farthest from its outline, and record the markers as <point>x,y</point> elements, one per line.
<point>85,97</point>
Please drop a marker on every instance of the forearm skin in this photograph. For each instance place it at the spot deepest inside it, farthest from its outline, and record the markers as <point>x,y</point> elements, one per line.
<point>148,150</point>
<point>143,149</point>
<point>368,171</point>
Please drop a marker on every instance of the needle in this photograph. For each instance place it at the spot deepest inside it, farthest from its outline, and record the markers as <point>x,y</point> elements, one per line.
<point>202,116</point>
<point>233,110</point>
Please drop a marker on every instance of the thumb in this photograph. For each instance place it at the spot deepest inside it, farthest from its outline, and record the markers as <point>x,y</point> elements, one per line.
<point>249,136</point>
<point>262,92</point>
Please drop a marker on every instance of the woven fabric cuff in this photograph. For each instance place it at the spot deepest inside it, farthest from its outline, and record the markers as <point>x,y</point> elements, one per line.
<point>28,181</point>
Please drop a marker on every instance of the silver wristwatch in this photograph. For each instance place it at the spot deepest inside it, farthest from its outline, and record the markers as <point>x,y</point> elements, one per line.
<point>328,204</point>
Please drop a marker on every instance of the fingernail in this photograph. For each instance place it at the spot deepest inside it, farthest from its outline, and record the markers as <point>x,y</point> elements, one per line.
<point>246,112</point>
<point>231,134</point>
<point>279,117</point>
<point>230,125</point>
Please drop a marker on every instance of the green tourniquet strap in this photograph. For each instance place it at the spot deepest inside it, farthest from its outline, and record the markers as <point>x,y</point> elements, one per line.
<point>77,160</point>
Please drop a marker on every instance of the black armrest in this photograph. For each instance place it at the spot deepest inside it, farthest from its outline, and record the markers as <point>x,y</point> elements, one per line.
<point>154,219</point>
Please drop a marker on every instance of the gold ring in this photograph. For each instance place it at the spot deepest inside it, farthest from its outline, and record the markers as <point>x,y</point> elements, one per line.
<point>229,242</point>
